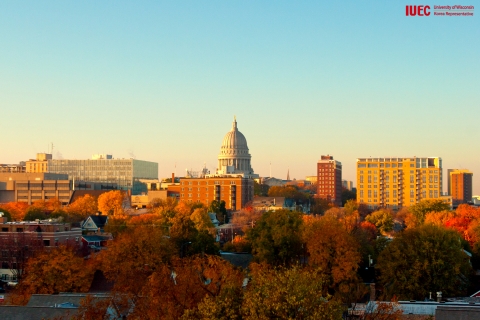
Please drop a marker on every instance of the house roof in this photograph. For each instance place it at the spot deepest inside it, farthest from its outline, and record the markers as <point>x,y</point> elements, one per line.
<point>93,238</point>
<point>268,201</point>
<point>33,313</point>
<point>99,221</point>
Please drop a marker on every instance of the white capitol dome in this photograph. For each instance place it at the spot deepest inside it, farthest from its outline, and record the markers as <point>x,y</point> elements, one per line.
<point>234,157</point>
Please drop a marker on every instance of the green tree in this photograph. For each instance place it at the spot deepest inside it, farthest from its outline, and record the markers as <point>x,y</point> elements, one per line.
<point>290,192</point>
<point>348,195</point>
<point>34,213</point>
<point>382,219</point>
<point>422,260</point>
<point>219,207</point>
<point>260,190</point>
<point>420,210</point>
<point>276,237</point>
<point>6,214</point>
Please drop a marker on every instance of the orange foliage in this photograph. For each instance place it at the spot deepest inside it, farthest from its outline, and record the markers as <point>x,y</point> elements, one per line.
<point>332,249</point>
<point>16,209</point>
<point>144,219</point>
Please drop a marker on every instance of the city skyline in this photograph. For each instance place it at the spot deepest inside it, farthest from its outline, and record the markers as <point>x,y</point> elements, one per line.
<point>162,82</point>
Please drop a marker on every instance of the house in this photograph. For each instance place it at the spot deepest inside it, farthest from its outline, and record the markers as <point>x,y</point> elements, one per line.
<point>96,242</point>
<point>273,204</point>
<point>95,223</point>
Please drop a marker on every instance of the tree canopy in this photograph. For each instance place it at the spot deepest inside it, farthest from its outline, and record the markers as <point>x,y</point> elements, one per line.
<point>422,260</point>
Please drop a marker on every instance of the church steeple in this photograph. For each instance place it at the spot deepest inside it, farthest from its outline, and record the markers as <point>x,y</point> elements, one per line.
<point>288,174</point>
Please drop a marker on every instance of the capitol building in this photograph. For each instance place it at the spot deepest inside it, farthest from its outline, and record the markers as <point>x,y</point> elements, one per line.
<point>232,181</point>
<point>234,158</point>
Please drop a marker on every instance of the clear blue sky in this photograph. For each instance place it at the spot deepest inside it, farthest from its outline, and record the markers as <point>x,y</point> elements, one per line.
<point>162,81</point>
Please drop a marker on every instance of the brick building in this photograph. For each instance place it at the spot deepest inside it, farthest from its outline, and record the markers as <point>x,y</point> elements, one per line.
<point>329,180</point>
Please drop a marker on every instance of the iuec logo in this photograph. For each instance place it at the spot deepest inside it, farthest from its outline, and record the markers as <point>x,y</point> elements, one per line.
<point>417,11</point>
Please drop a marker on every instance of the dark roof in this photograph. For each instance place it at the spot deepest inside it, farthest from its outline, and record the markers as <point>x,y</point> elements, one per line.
<point>72,300</point>
<point>33,313</point>
<point>237,259</point>
<point>100,221</point>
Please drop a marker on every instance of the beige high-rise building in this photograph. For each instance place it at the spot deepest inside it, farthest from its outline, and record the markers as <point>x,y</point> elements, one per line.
<point>40,164</point>
<point>398,182</point>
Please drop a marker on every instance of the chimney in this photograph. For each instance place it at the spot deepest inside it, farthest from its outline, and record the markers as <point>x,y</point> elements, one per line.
<point>173,177</point>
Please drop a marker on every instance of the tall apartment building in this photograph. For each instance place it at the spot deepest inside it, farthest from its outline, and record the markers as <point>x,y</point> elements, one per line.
<point>460,185</point>
<point>329,179</point>
<point>125,173</point>
<point>235,191</point>
<point>398,182</point>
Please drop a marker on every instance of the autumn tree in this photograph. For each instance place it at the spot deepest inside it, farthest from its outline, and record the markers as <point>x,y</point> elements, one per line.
<point>419,211</point>
<point>16,209</point>
<point>289,191</point>
<point>288,293</point>
<point>424,259</point>
<point>134,255</point>
<point>332,249</point>
<point>186,287</point>
<point>246,218</point>
<point>83,207</point>
<point>382,219</point>
<point>111,203</point>
<point>56,270</point>
<point>346,216</point>
<point>276,238</point>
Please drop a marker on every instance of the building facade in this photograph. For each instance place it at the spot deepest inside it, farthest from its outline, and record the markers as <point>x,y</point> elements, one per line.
<point>398,182</point>
<point>235,191</point>
<point>460,185</point>
<point>104,169</point>
<point>40,164</point>
<point>21,240</point>
<point>31,187</point>
<point>329,180</point>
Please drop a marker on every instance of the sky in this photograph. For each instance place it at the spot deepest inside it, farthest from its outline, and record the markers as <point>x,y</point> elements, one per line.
<point>162,81</point>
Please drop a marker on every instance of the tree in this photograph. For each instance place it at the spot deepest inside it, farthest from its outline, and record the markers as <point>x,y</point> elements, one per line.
<point>382,219</point>
<point>134,255</point>
<point>6,214</point>
<point>288,293</point>
<point>111,203</point>
<point>83,207</point>
<point>219,208</point>
<point>349,218</point>
<point>17,248</point>
<point>333,250</point>
<point>202,221</point>
<point>276,238</point>
<point>56,270</point>
<point>177,289</point>
<point>34,213</point>
<point>420,210</point>
<point>348,195</point>
<point>422,260</point>
<point>246,218</point>
<point>289,191</point>
<point>260,189</point>
<point>16,209</point>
